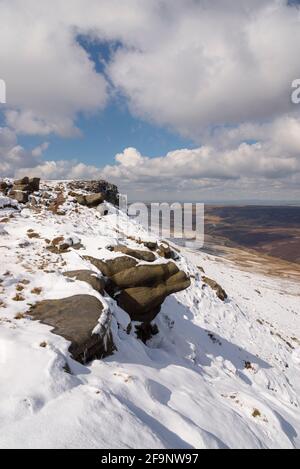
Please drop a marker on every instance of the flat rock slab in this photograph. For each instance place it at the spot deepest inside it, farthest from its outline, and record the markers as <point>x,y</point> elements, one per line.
<point>89,277</point>
<point>75,319</point>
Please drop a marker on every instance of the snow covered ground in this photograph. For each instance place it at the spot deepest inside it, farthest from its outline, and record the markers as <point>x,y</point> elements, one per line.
<point>218,375</point>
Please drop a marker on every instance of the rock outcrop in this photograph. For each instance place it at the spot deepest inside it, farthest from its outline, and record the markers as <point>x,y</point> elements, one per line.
<point>77,320</point>
<point>140,290</point>
<point>109,191</point>
<point>23,188</point>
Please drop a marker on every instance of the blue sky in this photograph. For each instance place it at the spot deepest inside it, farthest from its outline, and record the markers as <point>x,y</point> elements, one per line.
<point>111,130</point>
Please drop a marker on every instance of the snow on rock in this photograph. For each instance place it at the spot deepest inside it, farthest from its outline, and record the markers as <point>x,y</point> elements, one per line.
<point>6,202</point>
<point>218,374</point>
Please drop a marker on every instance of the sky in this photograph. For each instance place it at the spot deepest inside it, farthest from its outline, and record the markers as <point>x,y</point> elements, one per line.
<point>170,100</point>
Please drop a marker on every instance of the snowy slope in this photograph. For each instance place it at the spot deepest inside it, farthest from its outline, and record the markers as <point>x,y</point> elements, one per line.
<point>218,375</point>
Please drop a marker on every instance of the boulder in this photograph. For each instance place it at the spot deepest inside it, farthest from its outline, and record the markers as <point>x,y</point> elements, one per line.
<point>89,277</point>
<point>90,201</point>
<point>113,266</point>
<point>144,275</point>
<point>20,196</point>
<point>76,319</point>
<point>166,252</point>
<point>140,255</point>
<point>144,303</point>
<point>221,294</point>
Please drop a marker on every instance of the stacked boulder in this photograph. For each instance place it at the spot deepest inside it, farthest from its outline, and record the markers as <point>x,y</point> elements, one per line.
<point>140,290</point>
<point>23,188</point>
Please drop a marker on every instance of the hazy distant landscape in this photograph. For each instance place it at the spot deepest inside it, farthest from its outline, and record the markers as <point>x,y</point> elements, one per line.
<point>270,230</point>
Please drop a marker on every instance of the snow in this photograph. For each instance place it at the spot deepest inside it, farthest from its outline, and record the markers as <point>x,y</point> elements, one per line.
<point>218,375</point>
<point>7,202</point>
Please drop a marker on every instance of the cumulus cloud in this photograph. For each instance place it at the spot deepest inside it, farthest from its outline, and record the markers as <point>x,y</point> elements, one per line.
<point>218,72</point>
<point>220,64</point>
<point>14,157</point>
<point>187,65</point>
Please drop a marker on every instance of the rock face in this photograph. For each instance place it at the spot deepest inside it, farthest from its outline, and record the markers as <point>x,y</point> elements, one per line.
<point>75,319</point>
<point>140,255</point>
<point>221,294</point>
<point>89,277</point>
<point>109,191</point>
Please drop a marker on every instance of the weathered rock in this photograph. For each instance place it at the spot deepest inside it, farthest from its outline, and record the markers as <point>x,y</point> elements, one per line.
<point>35,184</point>
<point>150,245</point>
<point>144,275</point>
<point>89,277</point>
<point>141,255</point>
<point>113,266</point>
<point>90,201</point>
<point>19,196</point>
<point>144,303</point>
<point>27,185</point>
<point>75,319</point>
<point>166,252</point>
<point>221,294</point>
<point>110,191</point>
<point>23,181</point>
<point>23,188</point>
<point>4,187</point>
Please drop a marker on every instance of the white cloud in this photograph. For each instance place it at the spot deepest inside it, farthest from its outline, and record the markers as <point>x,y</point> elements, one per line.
<point>14,157</point>
<point>219,63</point>
<point>218,72</point>
<point>187,65</point>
